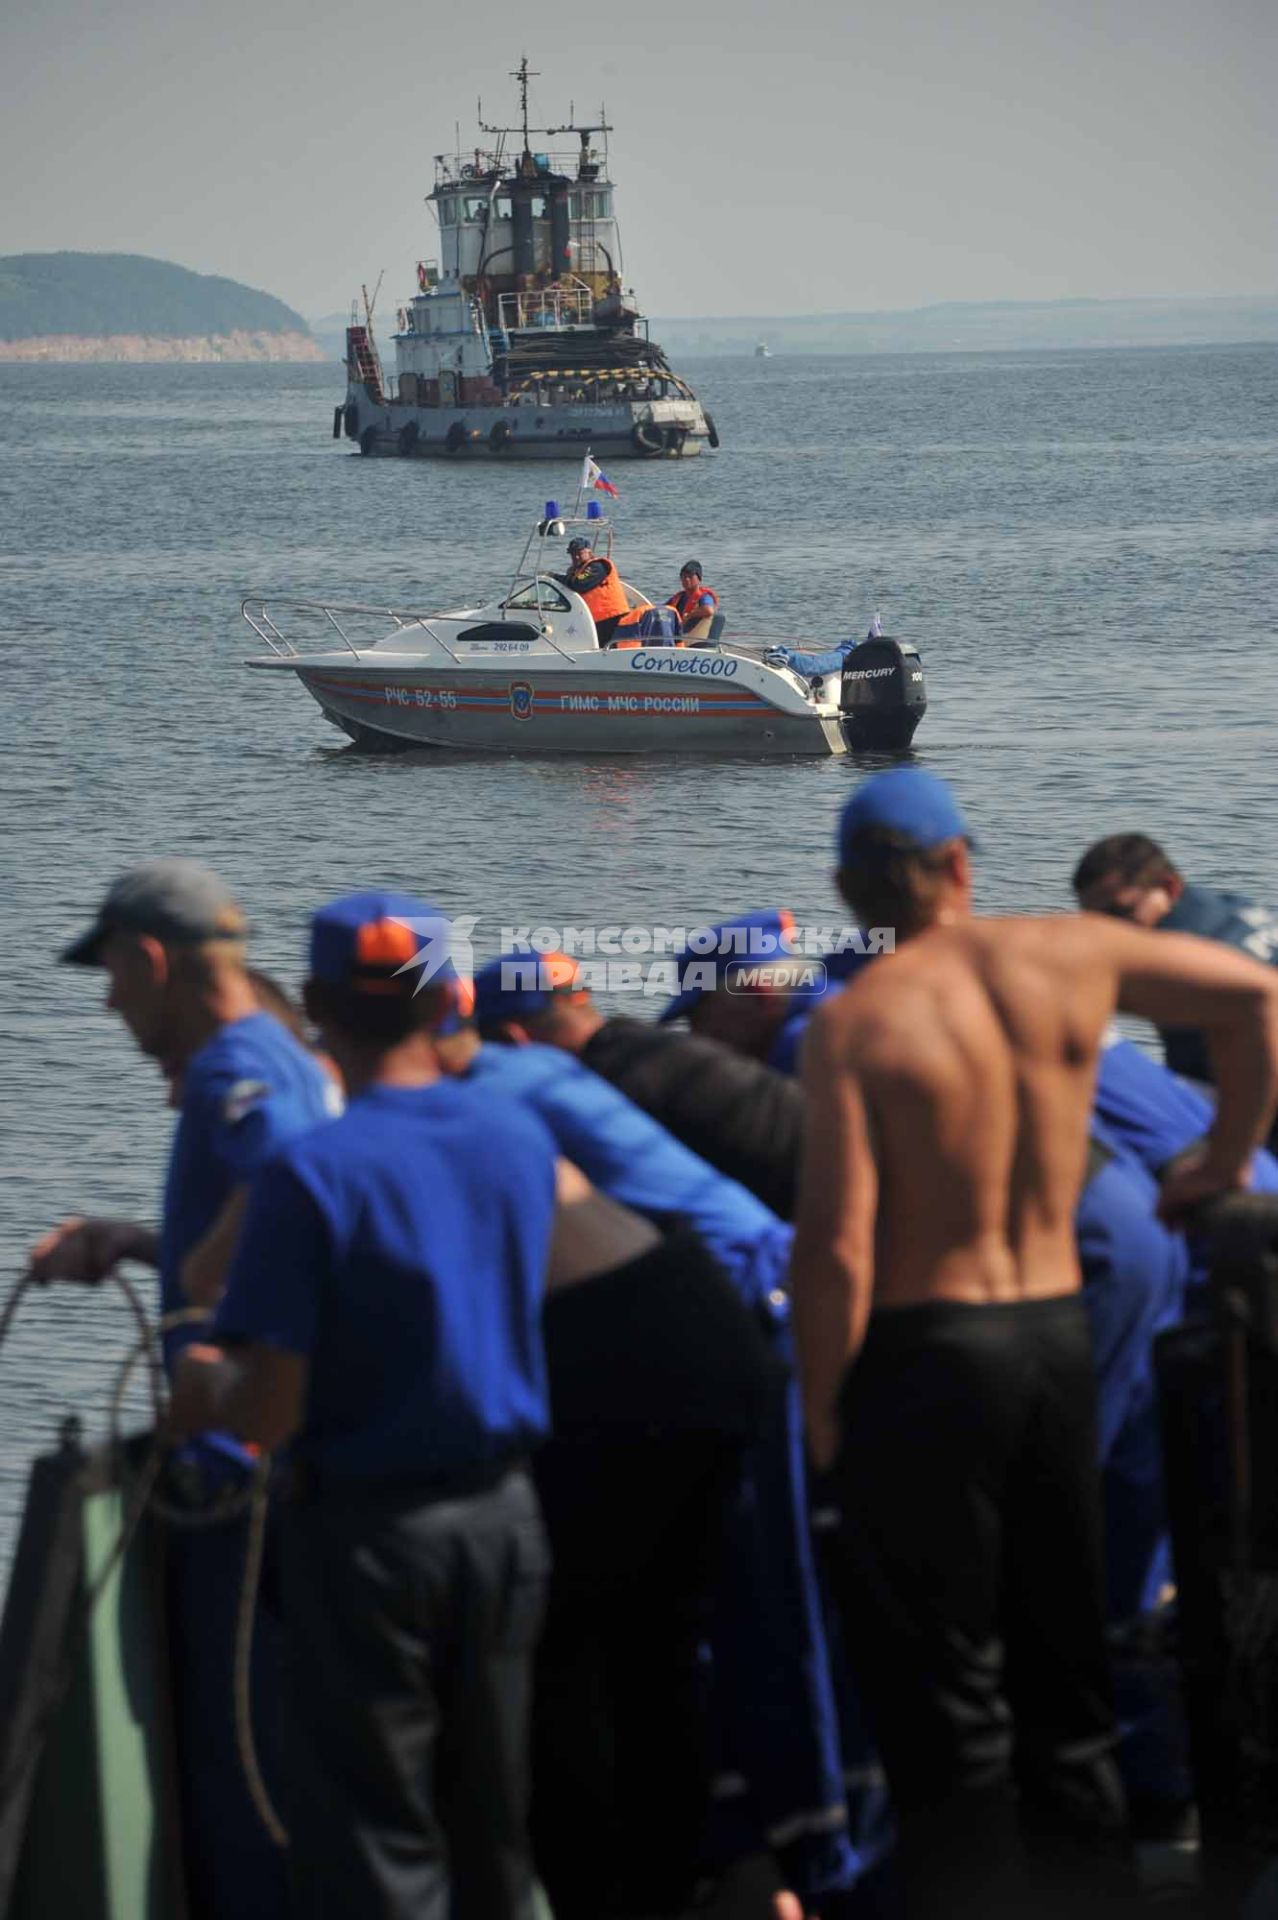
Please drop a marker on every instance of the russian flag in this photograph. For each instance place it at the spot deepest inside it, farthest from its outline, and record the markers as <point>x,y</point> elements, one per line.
<point>594,476</point>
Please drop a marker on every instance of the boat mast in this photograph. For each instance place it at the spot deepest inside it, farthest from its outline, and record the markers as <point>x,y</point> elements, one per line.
<point>523,73</point>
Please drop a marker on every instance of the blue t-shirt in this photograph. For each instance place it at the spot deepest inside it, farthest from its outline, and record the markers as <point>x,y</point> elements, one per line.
<point>248,1090</point>
<point>1150,1114</point>
<point>402,1249</point>
<point>629,1156</point>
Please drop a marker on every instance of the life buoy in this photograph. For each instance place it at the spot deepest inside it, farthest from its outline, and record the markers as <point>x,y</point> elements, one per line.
<point>500,435</point>
<point>338,416</point>
<point>351,420</point>
<point>455,438</point>
<point>712,432</point>
<point>408,438</point>
<point>648,438</point>
<point>368,440</point>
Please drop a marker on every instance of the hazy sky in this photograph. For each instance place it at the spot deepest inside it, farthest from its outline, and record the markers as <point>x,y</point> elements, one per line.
<point>788,157</point>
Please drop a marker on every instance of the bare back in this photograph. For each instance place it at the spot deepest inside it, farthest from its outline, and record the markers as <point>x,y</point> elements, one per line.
<point>975,1048</point>
<point>948,1093</point>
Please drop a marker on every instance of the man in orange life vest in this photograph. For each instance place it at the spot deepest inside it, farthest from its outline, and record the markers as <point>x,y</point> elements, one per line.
<point>599,585</point>
<point>694,603</point>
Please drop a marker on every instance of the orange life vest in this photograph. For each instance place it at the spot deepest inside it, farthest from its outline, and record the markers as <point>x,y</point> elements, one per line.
<point>608,599</point>
<point>685,602</point>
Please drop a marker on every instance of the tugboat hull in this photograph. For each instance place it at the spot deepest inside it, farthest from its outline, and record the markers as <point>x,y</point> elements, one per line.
<point>669,430</point>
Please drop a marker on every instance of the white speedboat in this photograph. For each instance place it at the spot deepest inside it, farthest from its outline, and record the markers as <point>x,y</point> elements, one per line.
<point>526,673</point>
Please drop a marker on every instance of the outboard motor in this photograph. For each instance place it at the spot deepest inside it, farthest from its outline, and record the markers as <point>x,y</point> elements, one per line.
<point>883,695</point>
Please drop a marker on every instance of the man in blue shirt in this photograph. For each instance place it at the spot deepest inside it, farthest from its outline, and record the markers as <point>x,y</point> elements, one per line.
<point>1129,876</point>
<point>171,939</point>
<point>383,1315</point>
<point>776,1708</point>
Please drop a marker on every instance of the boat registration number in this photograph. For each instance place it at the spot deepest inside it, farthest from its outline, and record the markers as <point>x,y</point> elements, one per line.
<point>419,696</point>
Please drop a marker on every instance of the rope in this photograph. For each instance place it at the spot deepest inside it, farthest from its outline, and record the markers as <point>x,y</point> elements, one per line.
<point>255,1496</point>
<point>242,1678</point>
<point>143,1495</point>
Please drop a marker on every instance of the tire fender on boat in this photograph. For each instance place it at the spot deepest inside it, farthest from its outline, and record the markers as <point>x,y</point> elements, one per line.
<point>368,440</point>
<point>408,438</point>
<point>674,439</point>
<point>712,432</point>
<point>339,415</point>
<point>500,435</point>
<point>456,437</point>
<point>648,438</point>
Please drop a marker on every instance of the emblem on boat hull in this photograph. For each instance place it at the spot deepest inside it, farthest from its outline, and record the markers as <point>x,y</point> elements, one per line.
<point>521,699</point>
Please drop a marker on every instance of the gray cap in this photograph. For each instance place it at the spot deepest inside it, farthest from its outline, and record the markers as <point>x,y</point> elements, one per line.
<point>177,901</point>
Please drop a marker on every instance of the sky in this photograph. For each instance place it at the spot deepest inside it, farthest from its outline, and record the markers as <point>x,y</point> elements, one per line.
<point>771,156</point>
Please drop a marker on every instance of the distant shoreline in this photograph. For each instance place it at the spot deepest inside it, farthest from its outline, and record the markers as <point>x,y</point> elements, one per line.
<point>239,347</point>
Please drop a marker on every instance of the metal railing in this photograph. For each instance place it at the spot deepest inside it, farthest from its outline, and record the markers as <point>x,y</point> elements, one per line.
<point>550,307</point>
<point>259,614</point>
<point>262,619</point>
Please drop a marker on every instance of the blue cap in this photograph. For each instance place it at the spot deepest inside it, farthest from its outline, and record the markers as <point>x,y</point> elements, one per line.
<point>763,935</point>
<point>382,943</point>
<point>521,984</point>
<point>906,801</point>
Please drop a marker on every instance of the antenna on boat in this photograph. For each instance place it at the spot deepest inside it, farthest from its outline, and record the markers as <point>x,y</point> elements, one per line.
<point>523,76</point>
<point>523,73</point>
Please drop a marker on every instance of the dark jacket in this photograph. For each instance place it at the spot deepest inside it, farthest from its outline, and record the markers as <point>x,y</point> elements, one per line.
<point>1233,920</point>
<point>739,1115</point>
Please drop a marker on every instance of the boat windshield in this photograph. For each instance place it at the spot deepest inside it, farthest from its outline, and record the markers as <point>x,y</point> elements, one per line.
<point>534,594</point>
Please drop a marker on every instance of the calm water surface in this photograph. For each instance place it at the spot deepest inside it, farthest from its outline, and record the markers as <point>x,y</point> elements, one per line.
<point>1081,544</point>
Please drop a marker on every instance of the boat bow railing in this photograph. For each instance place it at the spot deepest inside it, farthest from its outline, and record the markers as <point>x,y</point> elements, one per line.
<point>262,617</point>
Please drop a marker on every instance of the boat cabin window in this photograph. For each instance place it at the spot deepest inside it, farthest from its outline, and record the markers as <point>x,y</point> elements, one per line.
<point>448,213</point>
<point>476,206</point>
<point>537,593</point>
<point>505,630</point>
<point>590,206</point>
<point>538,204</point>
<point>501,207</point>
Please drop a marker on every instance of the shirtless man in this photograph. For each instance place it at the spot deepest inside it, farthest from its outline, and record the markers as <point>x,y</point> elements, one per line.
<point>944,1352</point>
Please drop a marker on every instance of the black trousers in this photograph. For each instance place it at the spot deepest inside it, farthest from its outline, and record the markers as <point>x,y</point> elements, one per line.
<point>968,1572</point>
<point>410,1630</point>
<point>621,1766</point>
<point>659,1375</point>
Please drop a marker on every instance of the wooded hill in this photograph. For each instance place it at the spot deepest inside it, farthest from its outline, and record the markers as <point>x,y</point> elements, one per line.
<point>96,295</point>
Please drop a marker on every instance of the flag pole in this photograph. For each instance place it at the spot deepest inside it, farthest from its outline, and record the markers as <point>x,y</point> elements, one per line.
<point>581,484</point>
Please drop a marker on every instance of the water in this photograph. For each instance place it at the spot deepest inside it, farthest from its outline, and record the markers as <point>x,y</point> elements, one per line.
<point>1082,545</point>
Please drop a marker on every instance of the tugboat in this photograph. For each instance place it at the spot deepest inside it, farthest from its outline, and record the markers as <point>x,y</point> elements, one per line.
<point>520,342</point>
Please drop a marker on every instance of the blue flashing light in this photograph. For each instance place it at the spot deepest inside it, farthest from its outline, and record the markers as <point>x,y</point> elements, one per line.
<point>552,510</point>
<point>593,510</point>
